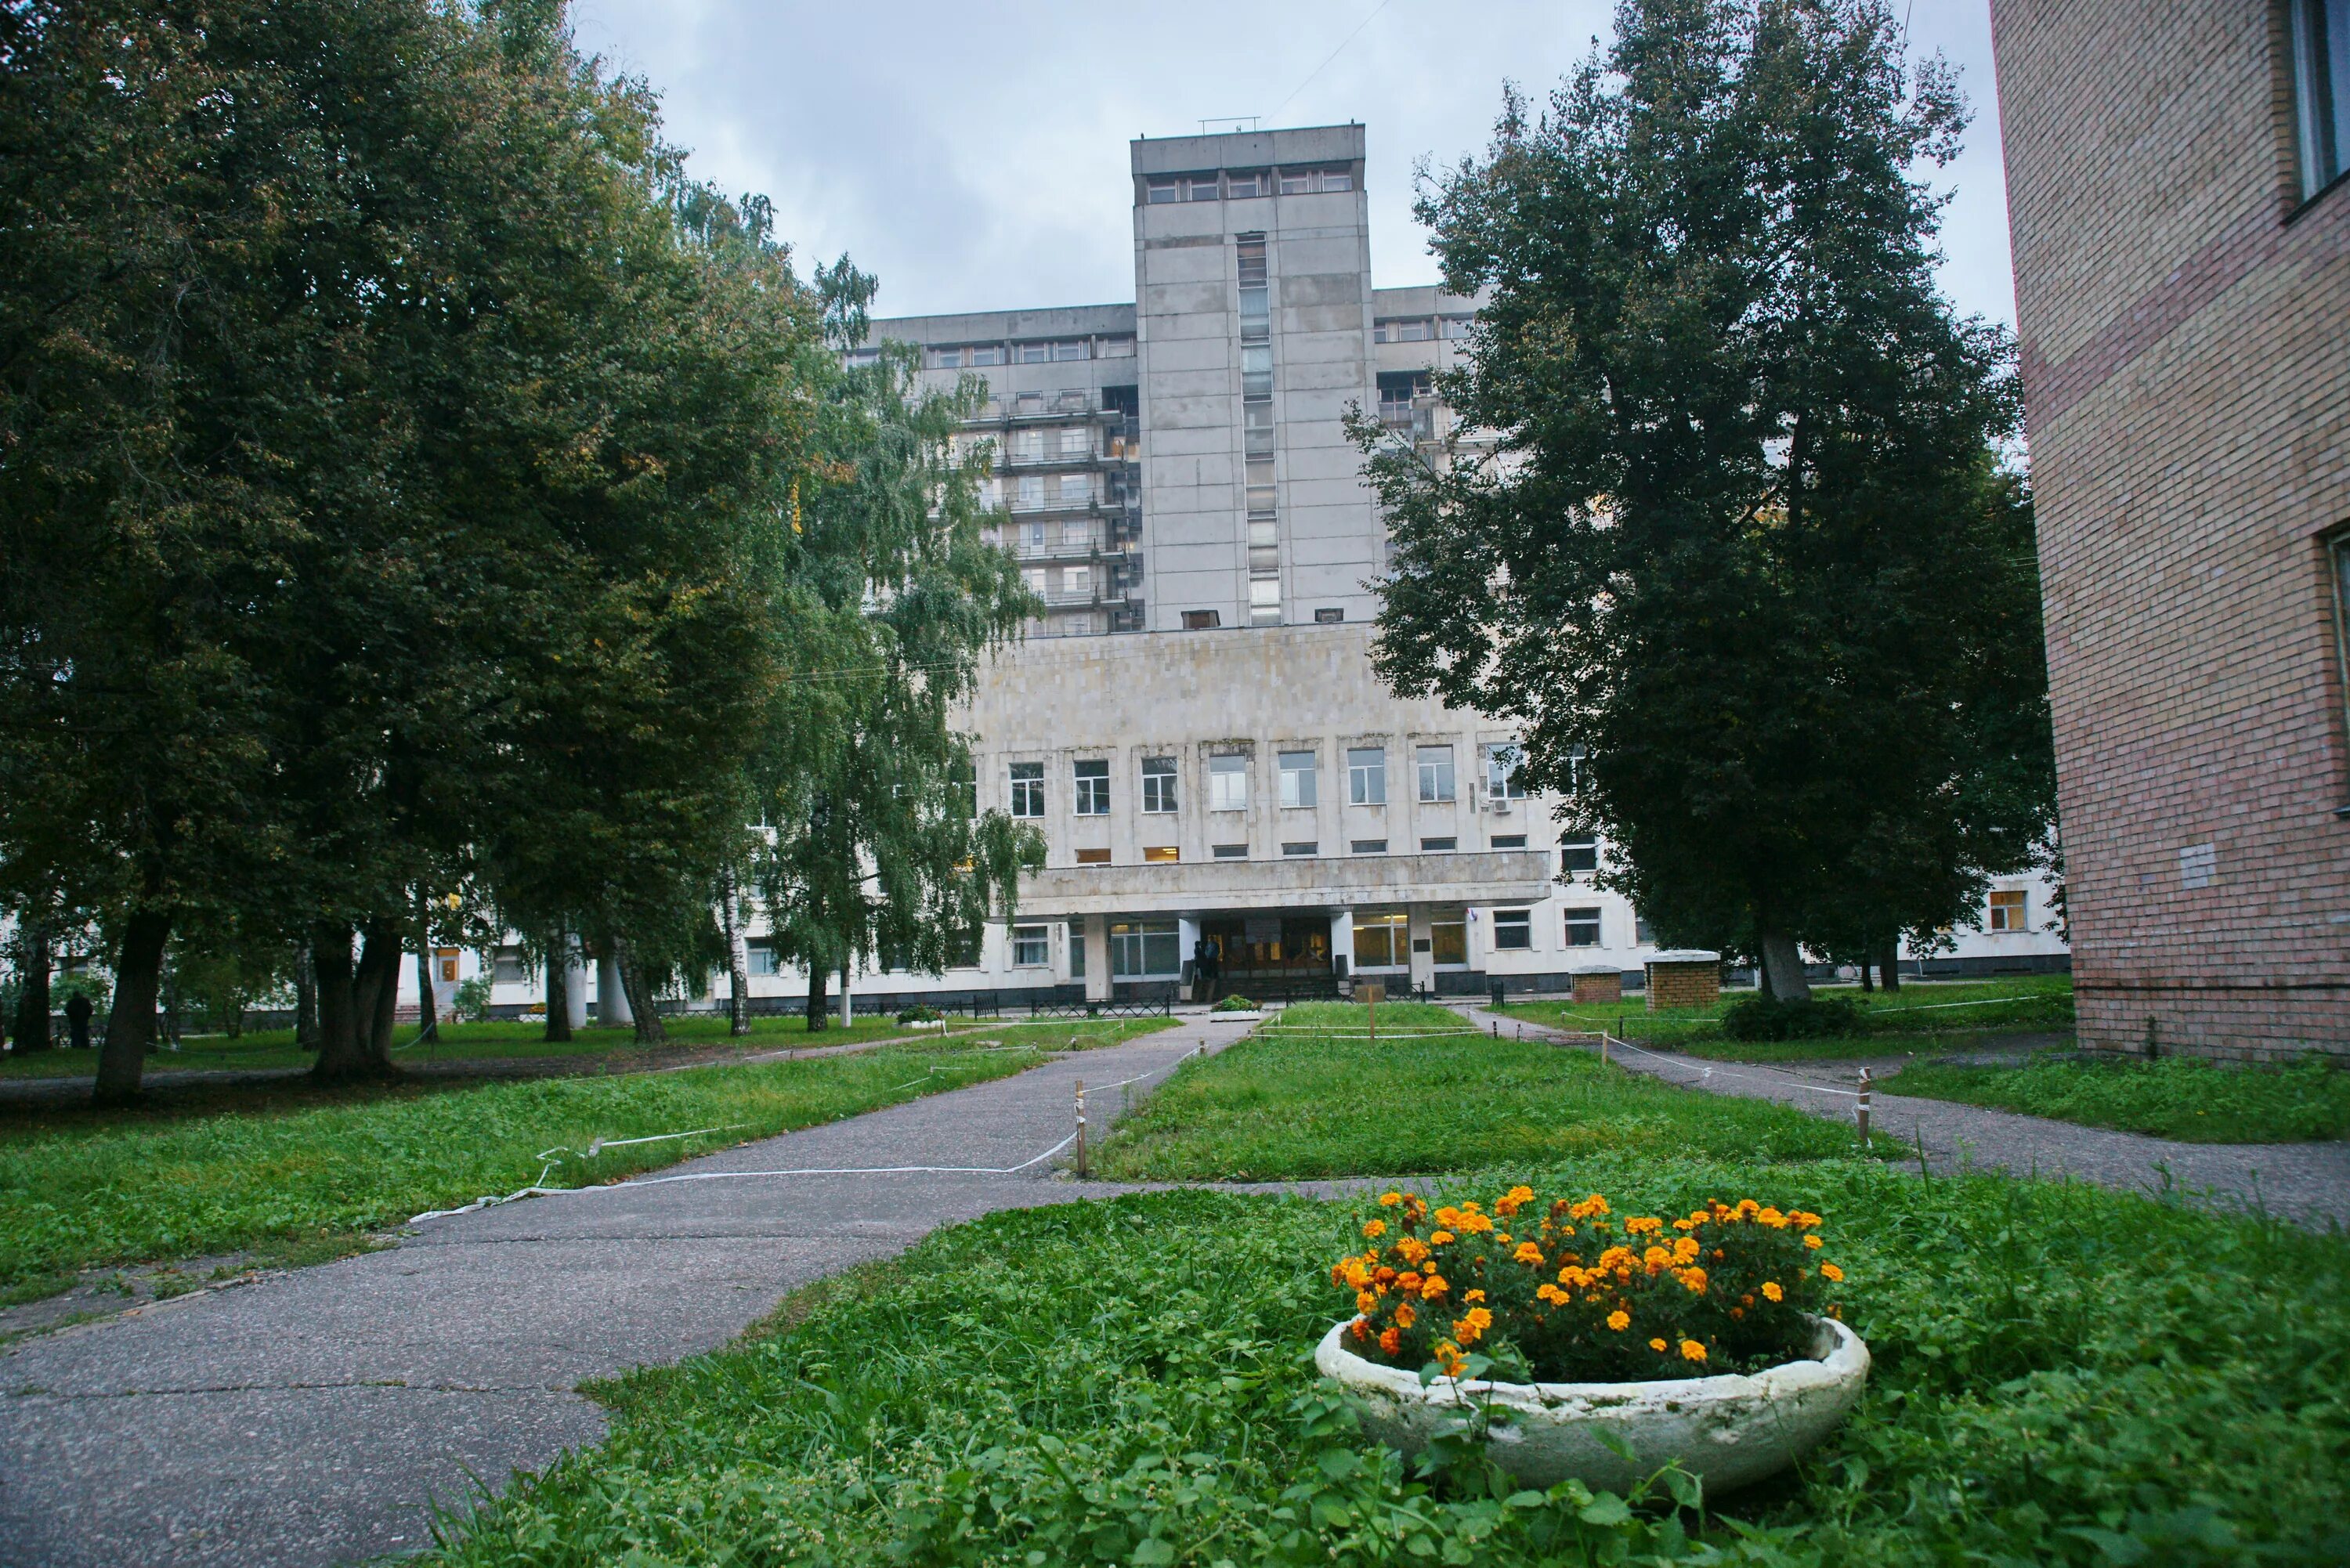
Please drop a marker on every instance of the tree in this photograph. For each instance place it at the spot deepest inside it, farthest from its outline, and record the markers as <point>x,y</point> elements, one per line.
<point>1743,561</point>
<point>874,844</point>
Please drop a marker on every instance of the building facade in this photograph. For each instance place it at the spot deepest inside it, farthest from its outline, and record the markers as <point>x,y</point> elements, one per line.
<point>2181,236</point>
<point>1192,721</point>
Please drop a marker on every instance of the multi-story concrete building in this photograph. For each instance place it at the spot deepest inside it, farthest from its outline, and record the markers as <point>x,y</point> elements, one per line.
<point>1178,470</point>
<point>2181,234</point>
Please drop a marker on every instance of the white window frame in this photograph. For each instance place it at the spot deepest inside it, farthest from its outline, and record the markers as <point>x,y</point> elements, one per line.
<point>1027,783</point>
<point>1367,780</point>
<point>1089,778</point>
<point>1439,781</point>
<point>1584,915</point>
<point>1228,784</point>
<point>1031,947</point>
<point>1502,761</point>
<point>1161,795</point>
<point>1517,923</point>
<point>1299,791</point>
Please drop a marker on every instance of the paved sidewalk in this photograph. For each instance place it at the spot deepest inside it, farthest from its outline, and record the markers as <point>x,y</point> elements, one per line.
<point>2305,1183</point>
<point>313,1416</point>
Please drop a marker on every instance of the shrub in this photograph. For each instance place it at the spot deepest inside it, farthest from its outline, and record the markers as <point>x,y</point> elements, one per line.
<point>471,1001</point>
<point>1766,1017</point>
<point>1235,1004</point>
<point>918,1015</point>
<point>1579,1296</point>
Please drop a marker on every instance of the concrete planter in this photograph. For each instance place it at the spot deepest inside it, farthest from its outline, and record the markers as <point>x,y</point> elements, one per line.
<point>1728,1430</point>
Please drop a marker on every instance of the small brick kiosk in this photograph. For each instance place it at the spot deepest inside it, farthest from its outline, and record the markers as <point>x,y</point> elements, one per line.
<point>1683,977</point>
<point>1597,982</point>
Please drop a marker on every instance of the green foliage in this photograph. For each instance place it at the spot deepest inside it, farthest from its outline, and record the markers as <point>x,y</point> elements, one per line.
<point>1766,1017</point>
<point>1918,1017</point>
<point>1299,1104</point>
<point>471,1001</point>
<point>1235,1004</point>
<point>1743,567</point>
<point>918,1015</point>
<point>79,1187</point>
<point>2062,1375</point>
<point>2175,1096</point>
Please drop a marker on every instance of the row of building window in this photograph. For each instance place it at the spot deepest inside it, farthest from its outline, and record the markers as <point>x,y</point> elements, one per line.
<point>1421,328</point>
<point>1041,351</point>
<point>1245,185</point>
<point>1299,772</point>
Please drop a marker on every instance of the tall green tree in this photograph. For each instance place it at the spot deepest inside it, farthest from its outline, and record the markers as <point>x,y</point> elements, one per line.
<point>873,847</point>
<point>1743,561</point>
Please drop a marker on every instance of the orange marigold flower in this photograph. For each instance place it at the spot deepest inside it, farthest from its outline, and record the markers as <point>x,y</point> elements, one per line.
<point>1475,1224</point>
<point>1389,1199</point>
<point>1439,1236</point>
<point>1657,1345</point>
<point>1407,1282</point>
<point>1365,1301</point>
<point>1694,1280</point>
<point>1390,1341</point>
<point>1374,1228</point>
<point>1528,1255</point>
<point>1473,1325</point>
<point>1693,1351</point>
<point>1620,1320</point>
<point>1362,1328</point>
<point>1830,1272</point>
<point>1406,1314</point>
<point>1432,1287</point>
<point>1813,1242</point>
<point>1552,1294</point>
<point>1412,1248</point>
<point>1655,1257</point>
<point>1770,1291</point>
<point>1473,1297</point>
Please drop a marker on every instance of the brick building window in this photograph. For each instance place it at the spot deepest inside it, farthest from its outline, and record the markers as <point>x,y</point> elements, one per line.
<point>2321,92</point>
<point>2337,550</point>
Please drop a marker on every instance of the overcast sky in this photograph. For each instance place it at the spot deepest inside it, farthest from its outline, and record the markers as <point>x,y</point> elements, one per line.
<point>974,156</point>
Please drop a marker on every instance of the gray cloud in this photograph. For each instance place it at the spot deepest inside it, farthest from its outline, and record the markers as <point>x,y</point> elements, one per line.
<point>974,156</point>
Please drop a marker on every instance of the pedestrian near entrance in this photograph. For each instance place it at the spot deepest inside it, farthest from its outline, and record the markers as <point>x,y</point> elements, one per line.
<point>77,1011</point>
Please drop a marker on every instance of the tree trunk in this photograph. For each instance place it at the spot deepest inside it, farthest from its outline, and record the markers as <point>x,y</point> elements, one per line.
<point>558,987</point>
<point>641,1012</point>
<point>33,959</point>
<point>1866,983</point>
<point>1782,968</point>
<point>427,1014</point>
<point>817,1021</point>
<point>305,1000</point>
<point>738,962</point>
<point>354,1009</point>
<point>1888,964</point>
<point>379,978</point>
<point>131,1026</point>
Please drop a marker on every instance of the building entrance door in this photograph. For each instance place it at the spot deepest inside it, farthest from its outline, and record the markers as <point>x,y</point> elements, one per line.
<point>1284,948</point>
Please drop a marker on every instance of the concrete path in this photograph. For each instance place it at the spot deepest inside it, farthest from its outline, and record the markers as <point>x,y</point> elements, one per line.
<point>2306,1182</point>
<point>312,1417</point>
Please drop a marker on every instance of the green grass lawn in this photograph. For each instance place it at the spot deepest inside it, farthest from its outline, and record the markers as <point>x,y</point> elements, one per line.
<point>1297,1104</point>
<point>2062,1375</point>
<point>1921,1016</point>
<point>299,1169</point>
<point>2175,1097</point>
<point>500,1038</point>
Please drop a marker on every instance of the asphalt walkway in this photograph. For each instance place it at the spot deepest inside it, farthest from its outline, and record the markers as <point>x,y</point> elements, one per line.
<point>314,1417</point>
<point>2308,1183</point>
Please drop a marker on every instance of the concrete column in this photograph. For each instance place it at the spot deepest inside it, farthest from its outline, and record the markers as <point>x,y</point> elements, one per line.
<point>848,1003</point>
<point>1342,941</point>
<point>611,996</point>
<point>1096,939</point>
<point>1423,962</point>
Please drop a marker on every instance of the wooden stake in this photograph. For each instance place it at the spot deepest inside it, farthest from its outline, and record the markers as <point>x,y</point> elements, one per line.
<point>1371,1010</point>
<point>1860,1112</point>
<point>1081,1129</point>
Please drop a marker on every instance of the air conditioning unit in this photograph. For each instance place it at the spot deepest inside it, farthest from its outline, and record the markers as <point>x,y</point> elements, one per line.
<point>1501,805</point>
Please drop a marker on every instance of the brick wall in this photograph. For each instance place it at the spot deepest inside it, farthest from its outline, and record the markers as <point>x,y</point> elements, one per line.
<point>1682,985</point>
<point>2185,348</point>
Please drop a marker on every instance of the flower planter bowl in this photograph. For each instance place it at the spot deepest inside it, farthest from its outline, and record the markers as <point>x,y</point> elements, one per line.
<point>1728,1430</point>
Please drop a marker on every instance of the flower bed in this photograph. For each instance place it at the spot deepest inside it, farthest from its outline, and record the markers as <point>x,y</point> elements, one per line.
<point>1568,1293</point>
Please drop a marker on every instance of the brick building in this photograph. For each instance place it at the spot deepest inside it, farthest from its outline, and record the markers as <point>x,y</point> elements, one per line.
<point>2181,236</point>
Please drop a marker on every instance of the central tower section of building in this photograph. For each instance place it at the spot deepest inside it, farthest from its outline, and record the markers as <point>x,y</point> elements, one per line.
<point>1252,273</point>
